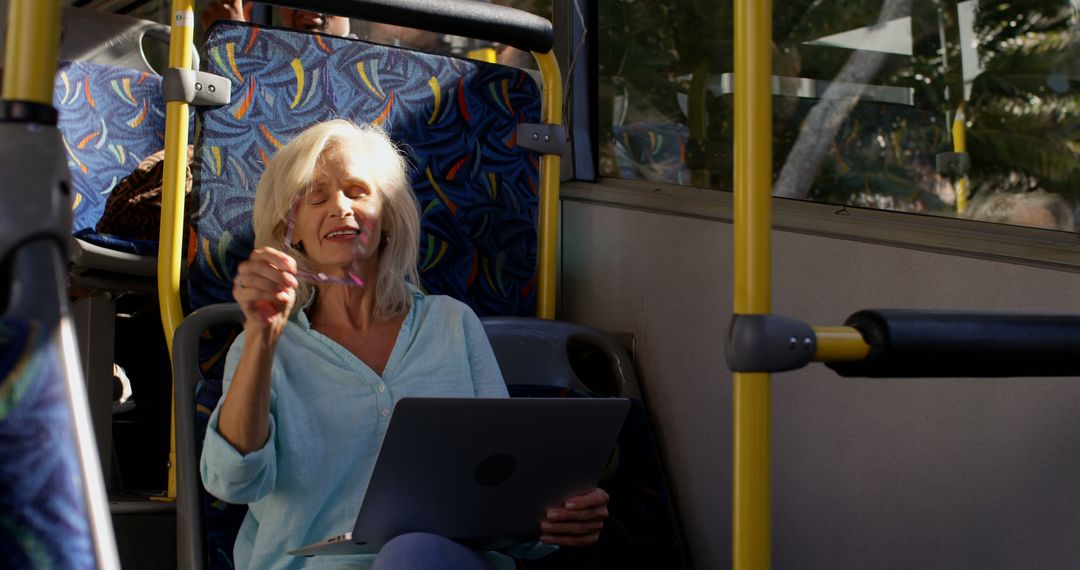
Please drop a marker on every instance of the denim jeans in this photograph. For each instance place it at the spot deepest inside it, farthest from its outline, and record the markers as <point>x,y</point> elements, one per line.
<point>424,551</point>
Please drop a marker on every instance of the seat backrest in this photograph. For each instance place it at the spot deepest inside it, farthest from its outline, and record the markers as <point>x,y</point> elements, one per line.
<point>538,352</point>
<point>110,119</point>
<point>455,118</point>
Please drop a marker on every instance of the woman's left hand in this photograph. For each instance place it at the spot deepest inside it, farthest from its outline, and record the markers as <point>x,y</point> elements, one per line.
<point>577,522</point>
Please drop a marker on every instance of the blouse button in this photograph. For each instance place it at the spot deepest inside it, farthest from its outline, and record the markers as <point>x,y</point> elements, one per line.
<point>385,412</point>
<point>382,388</point>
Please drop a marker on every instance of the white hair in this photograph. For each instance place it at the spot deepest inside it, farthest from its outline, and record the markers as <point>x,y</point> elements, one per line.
<point>290,172</point>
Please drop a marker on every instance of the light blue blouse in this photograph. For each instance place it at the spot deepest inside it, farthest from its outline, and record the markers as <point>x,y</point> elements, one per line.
<point>328,414</point>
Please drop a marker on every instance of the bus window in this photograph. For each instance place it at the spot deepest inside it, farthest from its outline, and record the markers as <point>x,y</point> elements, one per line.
<point>905,105</point>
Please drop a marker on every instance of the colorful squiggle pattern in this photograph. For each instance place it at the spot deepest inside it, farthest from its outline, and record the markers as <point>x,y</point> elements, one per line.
<point>43,522</point>
<point>110,118</point>
<point>455,118</point>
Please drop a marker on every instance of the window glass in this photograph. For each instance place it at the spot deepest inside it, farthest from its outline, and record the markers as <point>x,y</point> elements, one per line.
<point>953,108</point>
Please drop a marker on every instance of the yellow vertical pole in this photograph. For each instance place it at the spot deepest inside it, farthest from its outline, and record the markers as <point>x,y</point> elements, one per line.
<point>752,520</point>
<point>31,50</point>
<point>963,185</point>
<point>170,244</point>
<point>550,170</point>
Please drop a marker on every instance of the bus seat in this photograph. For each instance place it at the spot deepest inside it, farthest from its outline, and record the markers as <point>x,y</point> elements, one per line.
<point>553,353</point>
<point>45,515</point>
<point>455,118</point>
<point>110,119</point>
<point>548,358</point>
<point>195,398</point>
<point>539,359</point>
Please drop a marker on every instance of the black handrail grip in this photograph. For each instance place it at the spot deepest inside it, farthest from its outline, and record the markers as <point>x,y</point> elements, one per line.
<point>468,18</point>
<point>944,344</point>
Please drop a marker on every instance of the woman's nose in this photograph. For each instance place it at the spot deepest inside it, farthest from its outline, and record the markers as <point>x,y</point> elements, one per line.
<point>342,206</point>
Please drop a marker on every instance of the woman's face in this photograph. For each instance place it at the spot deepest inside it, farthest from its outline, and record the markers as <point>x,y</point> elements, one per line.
<point>339,220</point>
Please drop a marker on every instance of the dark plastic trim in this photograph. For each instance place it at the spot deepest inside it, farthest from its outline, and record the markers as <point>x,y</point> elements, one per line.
<point>27,112</point>
<point>769,343</point>
<point>190,549</point>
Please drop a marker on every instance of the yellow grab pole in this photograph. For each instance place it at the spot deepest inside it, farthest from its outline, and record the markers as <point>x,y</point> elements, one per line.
<point>752,504</point>
<point>959,133</point>
<point>170,244</point>
<point>32,48</point>
<point>840,344</point>
<point>550,170</point>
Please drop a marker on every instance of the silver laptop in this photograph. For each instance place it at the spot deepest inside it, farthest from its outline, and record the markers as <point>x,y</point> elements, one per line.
<point>479,471</point>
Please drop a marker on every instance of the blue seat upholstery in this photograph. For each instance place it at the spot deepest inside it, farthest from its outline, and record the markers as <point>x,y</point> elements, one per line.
<point>110,119</point>
<point>652,151</point>
<point>45,522</point>
<point>455,118</point>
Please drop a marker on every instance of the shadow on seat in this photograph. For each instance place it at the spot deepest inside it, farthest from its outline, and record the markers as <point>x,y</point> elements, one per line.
<point>536,352</point>
<point>546,358</point>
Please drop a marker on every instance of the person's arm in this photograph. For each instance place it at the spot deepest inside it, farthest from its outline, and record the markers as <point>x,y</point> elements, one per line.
<point>222,10</point>
<point>487,378</point>
<point>237,465</point>
<point>265,287</point>
<point>226,473</point>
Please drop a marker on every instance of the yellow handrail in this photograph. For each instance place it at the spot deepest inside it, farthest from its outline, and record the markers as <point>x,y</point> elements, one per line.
<point>170,244</point>
<point>32,28</point>
<point>550,166</point>
<point>840,344</point>
<point>751,501</point>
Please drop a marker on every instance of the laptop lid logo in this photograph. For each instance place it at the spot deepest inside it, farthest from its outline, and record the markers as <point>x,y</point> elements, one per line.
<point>495,470</point>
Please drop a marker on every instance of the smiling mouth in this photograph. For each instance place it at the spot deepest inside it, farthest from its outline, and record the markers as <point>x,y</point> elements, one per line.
<point>347,233</point>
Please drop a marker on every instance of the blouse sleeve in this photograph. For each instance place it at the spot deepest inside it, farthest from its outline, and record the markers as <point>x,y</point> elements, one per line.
<point>226,473</point>
<point>487,379</point>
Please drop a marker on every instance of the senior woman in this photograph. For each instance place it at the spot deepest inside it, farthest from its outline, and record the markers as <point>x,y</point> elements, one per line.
<point>310,383</point>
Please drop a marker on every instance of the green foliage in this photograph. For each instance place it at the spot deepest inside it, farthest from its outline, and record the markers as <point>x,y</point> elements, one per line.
<point>1022,116</point>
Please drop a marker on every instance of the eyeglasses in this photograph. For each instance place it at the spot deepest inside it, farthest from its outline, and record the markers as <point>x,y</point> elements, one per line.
<point>352,275</point>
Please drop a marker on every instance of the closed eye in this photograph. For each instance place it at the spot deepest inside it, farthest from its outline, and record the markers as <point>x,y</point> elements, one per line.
<point>355,191</point>
<point>316,197</point>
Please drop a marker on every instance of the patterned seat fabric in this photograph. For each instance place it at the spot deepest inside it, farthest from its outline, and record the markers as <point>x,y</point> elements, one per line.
<point>110,119</point>
<point>652,151</point>
<point>456,120</point>
<point>45,522</point>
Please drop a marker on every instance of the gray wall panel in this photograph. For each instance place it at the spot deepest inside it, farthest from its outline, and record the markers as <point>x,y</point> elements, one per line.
<point>953,473</point>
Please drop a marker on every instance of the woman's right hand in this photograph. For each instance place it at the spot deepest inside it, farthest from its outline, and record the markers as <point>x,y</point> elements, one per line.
<point>265,287</point>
